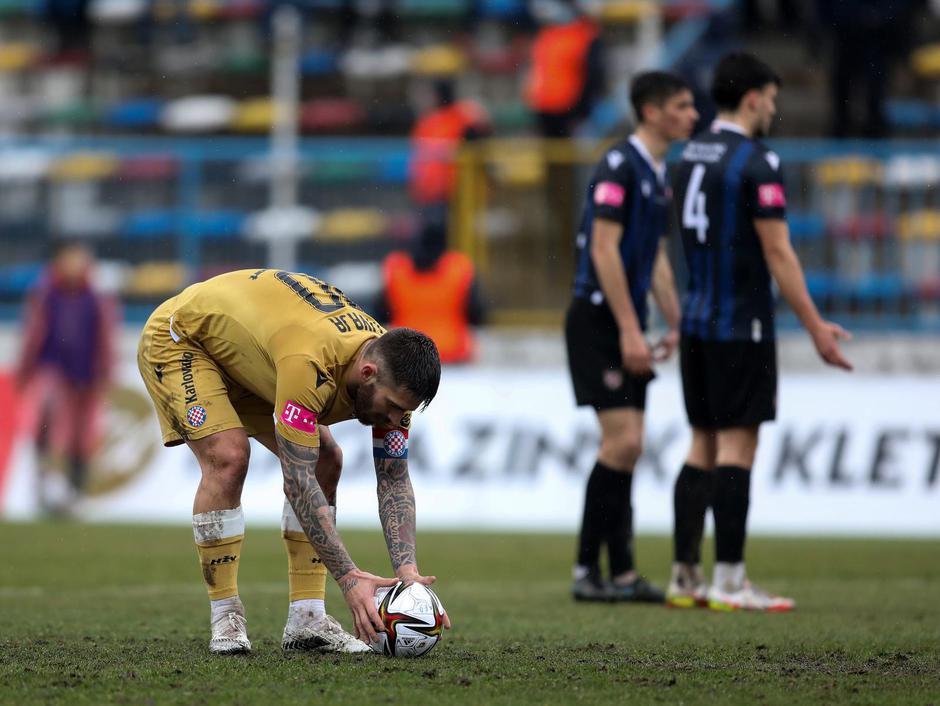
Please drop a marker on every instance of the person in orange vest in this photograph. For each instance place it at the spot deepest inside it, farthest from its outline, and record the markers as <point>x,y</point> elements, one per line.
<point>567,71</point>
<point>434,290</point>
<point>436,138</point>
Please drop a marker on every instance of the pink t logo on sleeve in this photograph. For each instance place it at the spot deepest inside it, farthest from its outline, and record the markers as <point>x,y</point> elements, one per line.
<point>297,417</point>
<point>771,195</point>
<point>607,193</point>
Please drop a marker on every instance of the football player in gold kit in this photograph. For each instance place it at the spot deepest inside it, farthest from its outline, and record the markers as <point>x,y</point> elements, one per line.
<point>280,356</point>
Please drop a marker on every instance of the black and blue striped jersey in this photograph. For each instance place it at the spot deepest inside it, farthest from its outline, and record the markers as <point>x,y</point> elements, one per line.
<point>724,181</point>
<point>627,187</point>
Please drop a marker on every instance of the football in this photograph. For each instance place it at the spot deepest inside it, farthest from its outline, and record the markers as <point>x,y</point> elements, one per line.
<point>413,617</point>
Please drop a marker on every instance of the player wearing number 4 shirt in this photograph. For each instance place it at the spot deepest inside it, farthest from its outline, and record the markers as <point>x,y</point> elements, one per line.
<point>731,203</point>
<point>281,356</point>
<point>620,259</point>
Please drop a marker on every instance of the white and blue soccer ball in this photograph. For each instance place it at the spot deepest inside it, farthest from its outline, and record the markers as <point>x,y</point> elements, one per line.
<point>413,617</point>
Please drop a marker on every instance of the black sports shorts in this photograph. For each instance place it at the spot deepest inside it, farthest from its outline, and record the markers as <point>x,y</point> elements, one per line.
<point>728,384</point>
<point>594,359</point>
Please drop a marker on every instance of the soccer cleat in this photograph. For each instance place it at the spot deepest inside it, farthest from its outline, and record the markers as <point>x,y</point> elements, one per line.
<point>324,634</point>
<point>590,588</point>
<point>230,633</point>
<point>749,597</point>
<point>687,588</point>
<point>637,591</point>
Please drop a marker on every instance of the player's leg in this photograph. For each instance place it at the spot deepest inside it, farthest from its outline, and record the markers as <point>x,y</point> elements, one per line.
<point>739,411</point>
<point>190,396</point>
<point>621,446</point>
<point>692,496</point>
<point>692,491</point>
<point>308,625</point>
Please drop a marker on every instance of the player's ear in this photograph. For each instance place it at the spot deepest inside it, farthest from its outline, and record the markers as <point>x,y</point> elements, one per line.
<point>368,371</point>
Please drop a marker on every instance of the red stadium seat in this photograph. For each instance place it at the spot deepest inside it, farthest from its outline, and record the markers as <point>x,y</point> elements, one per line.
<point>326,115</point>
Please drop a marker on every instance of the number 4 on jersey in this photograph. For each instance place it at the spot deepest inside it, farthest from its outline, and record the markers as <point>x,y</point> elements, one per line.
<point>693,207</point>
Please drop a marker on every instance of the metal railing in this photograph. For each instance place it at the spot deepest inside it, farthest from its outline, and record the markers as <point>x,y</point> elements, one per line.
<point>864,216</point>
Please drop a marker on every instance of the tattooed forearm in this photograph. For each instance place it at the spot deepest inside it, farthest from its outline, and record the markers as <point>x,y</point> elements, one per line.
<point>298,464</point>
<point>396,510</point>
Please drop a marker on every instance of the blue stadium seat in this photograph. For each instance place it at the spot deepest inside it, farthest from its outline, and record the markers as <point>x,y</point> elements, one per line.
<point>821,285</point>
<point>134,114</point>
<point>394,169</point>
<point>319,62</point>
<point>879,287</point>
<point>501,9</point>
<point>220,224</point>
<point>152,223</point>
<point>912,114</point>
<point>805,227</point>
<point>15,280</point>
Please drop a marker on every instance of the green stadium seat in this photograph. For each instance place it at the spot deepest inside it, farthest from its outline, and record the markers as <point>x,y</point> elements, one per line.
<point>76,115</point>
<point>511,117</point>
<point>436,9</point>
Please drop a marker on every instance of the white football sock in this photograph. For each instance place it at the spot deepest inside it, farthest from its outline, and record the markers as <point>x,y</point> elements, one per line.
<point>729,577</point>
<point>303,610</point>
<point>223,606</point>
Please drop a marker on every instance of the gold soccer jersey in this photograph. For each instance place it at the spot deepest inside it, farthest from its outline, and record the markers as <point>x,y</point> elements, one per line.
<point>252,349</point>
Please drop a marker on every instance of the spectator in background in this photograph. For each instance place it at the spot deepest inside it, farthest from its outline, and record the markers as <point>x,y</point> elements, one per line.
<point>436,138</point>
<point>65,367</point>
<point>434,290</point>
<point>69,19</point>
<point>866,36</point>
<point>567,72</point>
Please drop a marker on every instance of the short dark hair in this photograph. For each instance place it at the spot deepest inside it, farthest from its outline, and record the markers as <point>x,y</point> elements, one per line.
<point>736,74</point>
<point>412,360</point>
<point>655,87</point>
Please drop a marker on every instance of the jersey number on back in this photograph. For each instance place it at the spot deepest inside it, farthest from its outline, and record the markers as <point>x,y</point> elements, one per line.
<point>694,216</point>
<point>337,299</point>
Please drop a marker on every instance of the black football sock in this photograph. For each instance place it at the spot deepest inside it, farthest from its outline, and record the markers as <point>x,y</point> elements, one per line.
<point>594,520</point>
<point>691,497</point>
<point>620,522</point>
<point>731,500</point>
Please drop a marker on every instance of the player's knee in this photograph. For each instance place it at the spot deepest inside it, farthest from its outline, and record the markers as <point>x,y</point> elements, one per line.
<point>227,465</point>
<point>623,452</point>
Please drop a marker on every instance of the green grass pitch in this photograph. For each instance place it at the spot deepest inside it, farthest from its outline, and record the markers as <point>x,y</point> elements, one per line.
<point>104,614</point>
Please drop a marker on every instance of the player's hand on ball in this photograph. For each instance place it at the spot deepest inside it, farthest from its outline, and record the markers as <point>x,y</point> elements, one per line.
<point>635,353</point>
<point>358,589</point>
<point>666,346</point>
<point>826,339</point>
<point>409,574</point>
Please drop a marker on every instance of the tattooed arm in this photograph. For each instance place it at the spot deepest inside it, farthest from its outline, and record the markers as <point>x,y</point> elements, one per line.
<point>397,512</point>
<point>298,464</point>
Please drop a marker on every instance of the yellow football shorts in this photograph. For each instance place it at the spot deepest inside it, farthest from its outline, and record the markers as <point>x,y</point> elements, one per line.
<point>192,395</point>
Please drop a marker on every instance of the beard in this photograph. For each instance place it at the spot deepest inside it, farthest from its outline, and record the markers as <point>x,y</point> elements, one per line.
<point>362,405</point>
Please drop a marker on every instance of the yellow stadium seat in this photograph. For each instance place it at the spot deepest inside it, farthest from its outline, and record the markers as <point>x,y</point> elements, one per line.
<point>156,278</point>
<point>204,9</point>
<point>439,60</point>
<point>17,56</point>
<point>852,171</point>
<point>254,115</point>
<point>627,11</point>
<point>919,225</point>
<point>519,168</point>
<point>352,224</point>
<point>84,166</point>
<point>926,61</point>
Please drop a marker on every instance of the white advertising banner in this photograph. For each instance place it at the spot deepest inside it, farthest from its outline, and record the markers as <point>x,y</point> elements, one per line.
<point>507,449</point>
